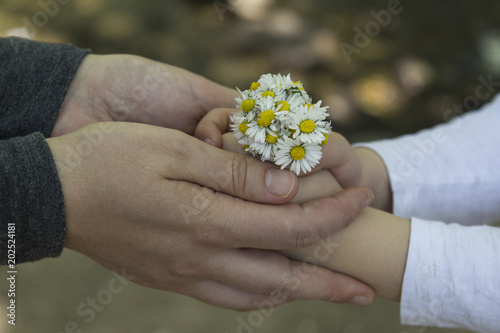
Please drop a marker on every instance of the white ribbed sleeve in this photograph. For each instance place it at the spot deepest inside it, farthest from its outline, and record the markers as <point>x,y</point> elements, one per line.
<point>450,173</point>
<point>452,277</point>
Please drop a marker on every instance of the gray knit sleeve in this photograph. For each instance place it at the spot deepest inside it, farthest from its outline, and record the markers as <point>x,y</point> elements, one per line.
<point>34,78</point>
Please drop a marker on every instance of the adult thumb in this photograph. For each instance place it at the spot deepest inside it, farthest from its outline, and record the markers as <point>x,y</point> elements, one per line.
<point>234,174</point>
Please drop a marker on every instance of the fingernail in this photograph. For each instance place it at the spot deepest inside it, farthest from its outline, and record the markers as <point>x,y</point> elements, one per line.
<point>210,142</point>
<point>369,198</point>
<point>362,300</point>
<point>279,182</point>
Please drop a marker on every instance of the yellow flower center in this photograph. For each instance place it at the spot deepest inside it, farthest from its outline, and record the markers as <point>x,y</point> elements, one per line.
<point>324,142</point>
<point>254,86</point>
<point>307,126</point>
<point>266,118</point>
<point>283,106</point>
<point>298,83</point>
<point>243,127</point>
<point>298,153</point>
<point>308,105</point>
<point>267,93</point>
<point>247,105</point>
<point>271,139</point>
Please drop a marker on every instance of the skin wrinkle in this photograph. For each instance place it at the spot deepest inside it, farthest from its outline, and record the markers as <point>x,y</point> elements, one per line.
<point>238,169</point>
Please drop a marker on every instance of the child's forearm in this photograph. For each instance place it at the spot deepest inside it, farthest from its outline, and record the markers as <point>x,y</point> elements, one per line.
<point>372,249</point>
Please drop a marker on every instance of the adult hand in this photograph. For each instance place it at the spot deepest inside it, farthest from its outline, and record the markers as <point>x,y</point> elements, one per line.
<point>182,220</point>
<point>134,89</point>
<point>350,166</point>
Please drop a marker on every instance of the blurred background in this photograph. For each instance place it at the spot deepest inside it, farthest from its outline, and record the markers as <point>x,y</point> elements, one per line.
<point>385,68</point>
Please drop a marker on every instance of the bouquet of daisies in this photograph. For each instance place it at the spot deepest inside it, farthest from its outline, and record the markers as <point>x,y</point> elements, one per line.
<point>278,122</point>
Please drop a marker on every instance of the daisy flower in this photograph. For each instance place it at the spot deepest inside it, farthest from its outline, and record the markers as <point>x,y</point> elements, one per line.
<point>264,125</point>
<point>308,124</point>
<point>299,155</point>
<point>266,150</point>
<point>239,124</point>
<point>246,102</point>
<point>266,120</point>
<point>294,101</point>
<point>276,121</point>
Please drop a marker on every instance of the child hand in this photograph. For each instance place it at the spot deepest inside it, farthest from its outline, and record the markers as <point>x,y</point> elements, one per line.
<point>213,125</point>
<point>350,167</point>
<point>357,167</point>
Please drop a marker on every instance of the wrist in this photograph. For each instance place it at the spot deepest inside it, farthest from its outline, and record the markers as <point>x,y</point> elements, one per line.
<point>75,187</point>
<point>82,103</point>
<point>376,177</point>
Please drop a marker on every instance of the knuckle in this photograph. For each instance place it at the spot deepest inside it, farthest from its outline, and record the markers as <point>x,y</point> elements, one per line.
<point>341,293</point>
<point>346,212</point>
<point>238,169</point>
<point>185,270</point>
<point>177,154</point>
<point>208,237</point>
<point>288,286</point>
<point>198,206</point>
<point>281,294</point>
<point>307,235</point>
<point>245,307</point>
<point>212,229</point>
<point>335,297</point>
<point>256,302</point>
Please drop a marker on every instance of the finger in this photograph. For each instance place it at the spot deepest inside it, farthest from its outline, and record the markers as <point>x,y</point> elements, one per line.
<point>336,151</point>
<point>283,280</point>
<point>340,159</point>
<point>240,176</point>
<point>211,292</point>
<point>291,226</point>
<point>222,221</point>
<point>317,186</point>
<point>230,143</point>
<point>225,296</point>
<point>210,94</point>
<point>213,125</point>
